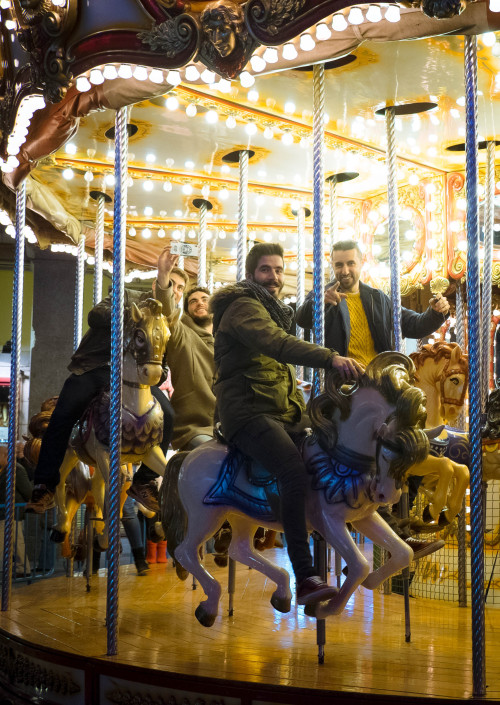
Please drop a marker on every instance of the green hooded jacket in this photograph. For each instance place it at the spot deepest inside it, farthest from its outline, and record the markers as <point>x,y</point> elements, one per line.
<point>253,362</point>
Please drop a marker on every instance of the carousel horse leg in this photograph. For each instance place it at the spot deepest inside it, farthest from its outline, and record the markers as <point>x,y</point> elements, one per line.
<point>442,470</point>
<point>336,534</point>
<point>377,530</point>
<point>208,520</point>
<point>242,549</point>
<point>460,483</point>
<point>62,526</point>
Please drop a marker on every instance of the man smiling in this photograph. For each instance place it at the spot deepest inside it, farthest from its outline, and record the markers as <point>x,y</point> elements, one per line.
<point>257,397</point>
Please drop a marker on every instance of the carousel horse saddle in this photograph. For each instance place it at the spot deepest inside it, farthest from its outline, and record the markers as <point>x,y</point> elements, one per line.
<point>455,446</point>
<point>247,485</point>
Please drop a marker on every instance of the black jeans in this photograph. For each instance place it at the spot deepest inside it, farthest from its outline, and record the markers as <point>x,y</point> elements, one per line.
<point>76,394</point>
<point>267,441</point>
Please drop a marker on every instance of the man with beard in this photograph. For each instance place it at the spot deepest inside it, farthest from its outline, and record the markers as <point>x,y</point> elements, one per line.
<point>257,397</point>
<point>358,318</point>
<point>358,322</point>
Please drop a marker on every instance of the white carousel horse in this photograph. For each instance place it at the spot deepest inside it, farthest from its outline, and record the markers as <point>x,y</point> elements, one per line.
<point>362,443</point>
<point>145,338</point>
<point>442,373</point>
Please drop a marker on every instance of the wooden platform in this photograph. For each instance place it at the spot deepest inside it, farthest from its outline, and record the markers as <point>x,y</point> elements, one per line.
<point>256,656</point>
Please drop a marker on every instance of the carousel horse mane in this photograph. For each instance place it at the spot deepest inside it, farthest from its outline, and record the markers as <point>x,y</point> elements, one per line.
<point>451,352</point>
<point>392,375</point>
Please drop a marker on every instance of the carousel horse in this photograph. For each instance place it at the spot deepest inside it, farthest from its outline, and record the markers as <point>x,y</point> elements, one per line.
<point>145,338</point>
<point>442,373</point>
<point>363,441</point>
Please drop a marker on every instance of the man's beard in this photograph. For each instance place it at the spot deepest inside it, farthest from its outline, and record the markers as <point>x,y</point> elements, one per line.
<point>202,321</point>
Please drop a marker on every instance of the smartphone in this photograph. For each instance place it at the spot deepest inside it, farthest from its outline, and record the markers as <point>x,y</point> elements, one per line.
<point>184,249</point>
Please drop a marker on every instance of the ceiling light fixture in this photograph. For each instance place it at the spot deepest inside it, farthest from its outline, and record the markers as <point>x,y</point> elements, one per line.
<point>393,13</point>
<point>323,32</point>
<point>191,73</point>
<point>140,73</point>
<point>246,79</point>
<point>307,43</point>
<point>355,16</point>
<point>109,72</point>
<point>374,13</point>
<point>208,76</point>
<point>339,22</point>
<point>174,77</point>
<point>270,55</point>
<point>156,76</point>
<point>258,63</point>
<point>290,52</point>
<point>125,71</point>
<point>191,110</point>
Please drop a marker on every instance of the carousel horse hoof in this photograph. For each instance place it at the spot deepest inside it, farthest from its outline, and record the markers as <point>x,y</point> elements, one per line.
<point>57,536</point>
<point>203,617</point>
<point>182,573</point>
<point>98,546</point>
<point>281,604</point>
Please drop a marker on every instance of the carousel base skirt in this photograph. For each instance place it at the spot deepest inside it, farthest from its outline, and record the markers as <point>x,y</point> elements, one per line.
<point>53,646</point>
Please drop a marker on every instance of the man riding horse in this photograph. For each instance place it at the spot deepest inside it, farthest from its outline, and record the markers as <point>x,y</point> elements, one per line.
<point>90,370</point>
<point>257,398</point>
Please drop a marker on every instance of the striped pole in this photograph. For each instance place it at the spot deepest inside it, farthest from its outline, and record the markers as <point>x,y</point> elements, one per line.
<point>79,286</point>
<point>242,216</point>
<point>14,395</point>
<point>473,302</point>
<point>489,212</point>
<point>204,206</point>
<point>392,201</point>
<point>117,303</point>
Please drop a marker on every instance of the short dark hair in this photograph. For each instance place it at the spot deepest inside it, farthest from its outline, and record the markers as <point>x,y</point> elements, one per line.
<point>344,245</point>
<point>191,291</point>
<point>262,249</point>
<point>181,273</point>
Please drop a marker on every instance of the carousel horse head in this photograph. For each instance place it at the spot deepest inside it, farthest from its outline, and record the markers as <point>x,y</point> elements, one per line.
<point>382,415</point>
<point>443,372</point>
<point>145,338</point>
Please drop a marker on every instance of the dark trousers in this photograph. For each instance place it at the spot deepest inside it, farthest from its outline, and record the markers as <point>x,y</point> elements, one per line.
<point>267,441</point>
<point>76,394</point>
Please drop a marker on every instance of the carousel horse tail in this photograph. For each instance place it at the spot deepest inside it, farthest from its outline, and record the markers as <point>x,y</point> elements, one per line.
<point>172,513</point>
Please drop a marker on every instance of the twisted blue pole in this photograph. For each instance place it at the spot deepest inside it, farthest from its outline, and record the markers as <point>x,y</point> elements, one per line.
<point>473,301</point>
<point>241,245</point>
<point>15,364</point>
<point>489,209</point>
<point>98,250</point>
<point>392,201</point>
<point>80,281</point>
<point>115,411</point>
<point>318,207</point>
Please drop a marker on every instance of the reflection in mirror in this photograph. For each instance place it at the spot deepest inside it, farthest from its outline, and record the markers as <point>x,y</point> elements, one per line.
<point>407,237</point>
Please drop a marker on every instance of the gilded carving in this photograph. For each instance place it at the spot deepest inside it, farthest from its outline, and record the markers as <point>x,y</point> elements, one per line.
<point>45,29</point>
<point>172,37</point>
<point>273,14</point>
<point>22,670</point>
<point>226,44</point>
<point>127,697</point>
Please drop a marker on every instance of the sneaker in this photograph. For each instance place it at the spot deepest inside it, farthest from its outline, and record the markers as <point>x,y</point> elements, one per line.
<point>314,589</point>
<point>423,548</point>
<point>41,499</point>
<point>146,494</point>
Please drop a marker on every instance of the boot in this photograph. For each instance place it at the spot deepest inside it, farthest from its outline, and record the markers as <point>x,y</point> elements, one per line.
<point>151,552</point>
<point>140,560</point>
<point>162,552</point>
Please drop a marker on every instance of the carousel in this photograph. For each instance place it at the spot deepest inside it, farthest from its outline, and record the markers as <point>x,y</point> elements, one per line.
<point>209,127</point>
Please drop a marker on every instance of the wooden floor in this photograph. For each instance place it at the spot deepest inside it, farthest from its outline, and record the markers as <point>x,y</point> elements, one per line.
<point>365,653</point>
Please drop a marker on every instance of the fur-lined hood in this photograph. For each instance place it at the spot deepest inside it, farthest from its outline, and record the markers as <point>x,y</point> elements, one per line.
<point>224,297</point>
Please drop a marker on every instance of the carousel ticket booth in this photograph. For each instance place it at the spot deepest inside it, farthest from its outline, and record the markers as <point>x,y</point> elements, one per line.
<point>129,126</point>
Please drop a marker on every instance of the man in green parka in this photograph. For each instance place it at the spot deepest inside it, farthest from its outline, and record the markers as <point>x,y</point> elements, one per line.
<point>257,398</point>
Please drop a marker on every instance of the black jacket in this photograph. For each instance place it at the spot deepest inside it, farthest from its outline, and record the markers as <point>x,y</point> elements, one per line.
<point>378,309</point>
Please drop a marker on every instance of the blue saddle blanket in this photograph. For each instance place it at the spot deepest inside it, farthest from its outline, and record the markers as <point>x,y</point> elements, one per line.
<point>246,485</point>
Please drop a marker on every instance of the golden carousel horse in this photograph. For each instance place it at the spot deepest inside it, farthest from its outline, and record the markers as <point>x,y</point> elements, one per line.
<point>145,338</point>
<point>364,440</point>
<point>442,373</point>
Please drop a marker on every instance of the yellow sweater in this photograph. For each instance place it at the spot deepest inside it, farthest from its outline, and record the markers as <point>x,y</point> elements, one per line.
<point>361,341</point>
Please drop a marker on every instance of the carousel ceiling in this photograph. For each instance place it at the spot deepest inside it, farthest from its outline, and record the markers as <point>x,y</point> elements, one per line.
<point>181,132</point>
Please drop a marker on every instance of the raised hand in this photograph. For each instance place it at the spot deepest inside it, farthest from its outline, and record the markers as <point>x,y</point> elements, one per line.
<point>333,295</point>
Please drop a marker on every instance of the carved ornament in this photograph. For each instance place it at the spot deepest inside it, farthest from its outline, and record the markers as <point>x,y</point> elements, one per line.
<point>173,38</point>
<point>120,696</point>
<point>22,670</point>
<point>45,29</point>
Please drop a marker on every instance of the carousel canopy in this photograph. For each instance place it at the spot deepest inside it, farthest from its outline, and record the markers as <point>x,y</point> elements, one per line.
<point>207,80</point>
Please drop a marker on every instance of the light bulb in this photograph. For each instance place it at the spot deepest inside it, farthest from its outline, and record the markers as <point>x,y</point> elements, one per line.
<point>132,232</point>
<point>68,174</point>
<point>88,176</point>
<point>393,13</point>
<point>172,103</point>
<point>323,32</point>
<point>211,116</point>
<point>287,138</point>
<point>268,133</point>
<point>187,189</point>
<point>174,77</point>
<point>140,73</point>
<point>208,76</point>
<point>125,71</point>
<point>258,63</point>
<point>156,76</point>
<point>270,55</point>
<point>246,79</point>
<point>224,85</point>
<point>495,5</point>
<point>355,16</point>
<point>231,122</point>
<point>374,14</point>
<point>96,77</point>
<point>290,52</point>
<point>253,96</point>
<point>146,233</point>
<point>307,43</point>
<point>191,110</point>
<point>167,186</point>
<point>339,22</point>
<point>191,73</point>
<point>83,84</point>
<point>110,72</point>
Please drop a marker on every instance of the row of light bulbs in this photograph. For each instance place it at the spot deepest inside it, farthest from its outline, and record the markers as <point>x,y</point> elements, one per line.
<point>10,229</point>
<point>17,137</point>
